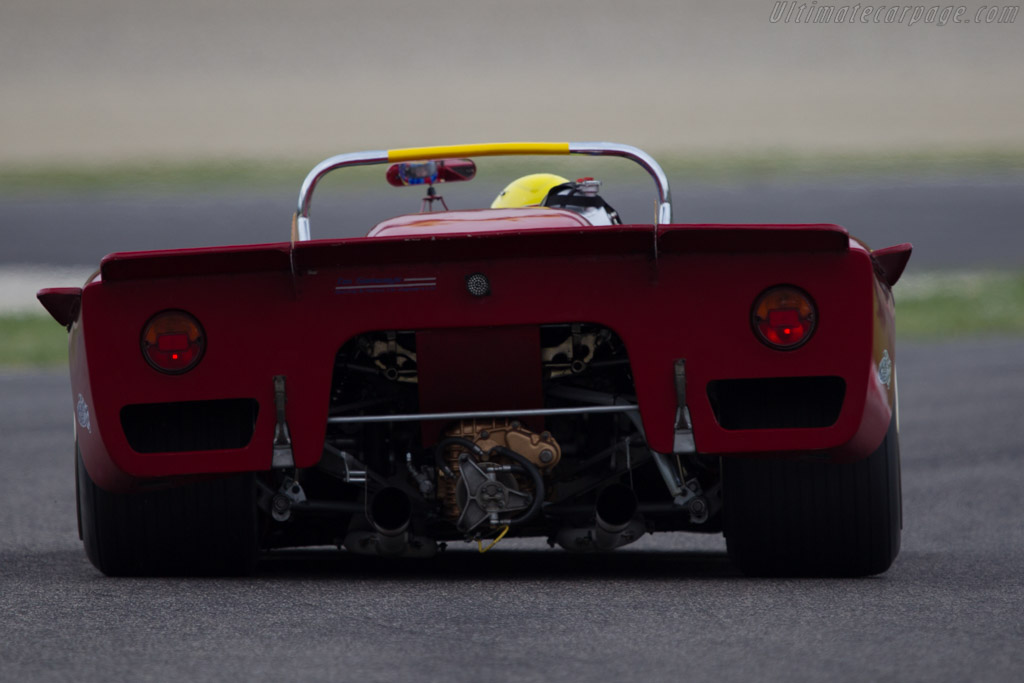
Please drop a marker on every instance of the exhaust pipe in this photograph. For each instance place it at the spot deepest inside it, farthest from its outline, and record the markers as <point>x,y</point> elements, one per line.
<point>390,513</point>
<point>615,511</point>
<point>616,523</point>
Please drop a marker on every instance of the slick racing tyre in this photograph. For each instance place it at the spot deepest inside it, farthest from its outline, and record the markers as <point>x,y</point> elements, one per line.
<point>203,528</point>
<point>796,518</point>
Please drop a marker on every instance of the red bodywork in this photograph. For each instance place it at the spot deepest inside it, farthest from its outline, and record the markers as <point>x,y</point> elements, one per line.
<point>680,292</point>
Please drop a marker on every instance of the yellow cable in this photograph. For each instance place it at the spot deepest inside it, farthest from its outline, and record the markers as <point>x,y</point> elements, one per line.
<point>480,545</point>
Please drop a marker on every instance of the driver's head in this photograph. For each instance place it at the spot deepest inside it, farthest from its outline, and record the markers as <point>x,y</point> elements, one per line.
<point>530,190</point>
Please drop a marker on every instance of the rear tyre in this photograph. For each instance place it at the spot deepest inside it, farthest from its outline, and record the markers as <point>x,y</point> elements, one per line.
<point>788,518</point>
<point>203,528</point>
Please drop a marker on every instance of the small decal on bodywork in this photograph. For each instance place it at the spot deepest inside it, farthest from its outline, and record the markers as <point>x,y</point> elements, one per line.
<point>885,369</point>
<point>82,409</point>
<point>366,285</point>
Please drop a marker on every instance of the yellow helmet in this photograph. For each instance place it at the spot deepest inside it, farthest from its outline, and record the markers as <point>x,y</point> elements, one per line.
<point>530,190</point>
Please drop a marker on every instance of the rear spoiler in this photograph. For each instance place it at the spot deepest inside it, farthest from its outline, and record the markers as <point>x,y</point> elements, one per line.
<point>299,257</point>
<point>143,265</point>
<point>719,238</point>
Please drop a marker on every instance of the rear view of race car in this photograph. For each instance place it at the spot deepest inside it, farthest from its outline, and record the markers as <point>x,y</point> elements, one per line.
<point>532,370</point>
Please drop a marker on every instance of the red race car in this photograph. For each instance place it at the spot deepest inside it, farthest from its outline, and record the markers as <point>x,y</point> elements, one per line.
<point>536,368</point>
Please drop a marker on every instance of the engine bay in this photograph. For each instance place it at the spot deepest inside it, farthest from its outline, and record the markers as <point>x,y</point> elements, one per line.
<point>474,434</point>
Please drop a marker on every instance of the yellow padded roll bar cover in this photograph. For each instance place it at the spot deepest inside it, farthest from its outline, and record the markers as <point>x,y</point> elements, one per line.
<point>477,150</point>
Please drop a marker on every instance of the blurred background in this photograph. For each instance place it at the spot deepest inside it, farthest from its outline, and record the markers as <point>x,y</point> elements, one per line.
<point>128,125</point>
<point>113,80</point>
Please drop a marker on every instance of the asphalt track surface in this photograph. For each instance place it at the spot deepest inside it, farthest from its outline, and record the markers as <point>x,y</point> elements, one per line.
<point>953,223</point>
<point>669,608</point>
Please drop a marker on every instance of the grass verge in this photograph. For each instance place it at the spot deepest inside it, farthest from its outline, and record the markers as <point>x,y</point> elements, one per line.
<point>958,304</point>
<point>147,178</point>
<point>31,340</point>
<point>269,174</point>
<point>930,306</point>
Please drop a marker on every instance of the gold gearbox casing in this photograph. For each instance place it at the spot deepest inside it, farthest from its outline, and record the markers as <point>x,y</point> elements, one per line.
<point>540,449</point>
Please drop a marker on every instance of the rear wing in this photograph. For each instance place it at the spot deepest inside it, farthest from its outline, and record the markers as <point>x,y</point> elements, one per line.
<point>601,241</point>
<point>300,221</point>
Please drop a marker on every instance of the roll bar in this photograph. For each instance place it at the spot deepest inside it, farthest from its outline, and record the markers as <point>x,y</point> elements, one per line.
<point>300,222</point>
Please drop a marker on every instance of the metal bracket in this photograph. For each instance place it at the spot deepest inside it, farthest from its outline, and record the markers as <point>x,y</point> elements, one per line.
<point>289,494</point>
<point>687,494</point>
<point>283,456</point>
<point>669,476</point>
<point>343,465</point>
<point>695,502</point>
<point>683,441</point>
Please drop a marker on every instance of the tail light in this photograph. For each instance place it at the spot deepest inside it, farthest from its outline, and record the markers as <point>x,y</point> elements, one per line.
<point>784,317</point>
<point>173,342</point>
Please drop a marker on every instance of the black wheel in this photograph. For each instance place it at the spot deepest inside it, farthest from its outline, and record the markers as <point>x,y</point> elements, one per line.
<point>203,528</point>
<point>795,518</point>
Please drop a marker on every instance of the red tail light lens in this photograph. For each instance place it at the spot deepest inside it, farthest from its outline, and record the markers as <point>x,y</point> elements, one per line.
<point>173,342</point>
<point>784,317</point>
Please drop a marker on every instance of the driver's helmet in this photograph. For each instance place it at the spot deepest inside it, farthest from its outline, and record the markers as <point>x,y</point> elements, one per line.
<point>548,189</point>
<point>530,190</point>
